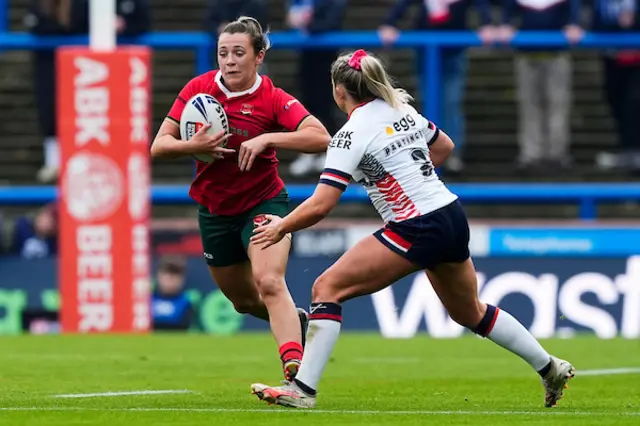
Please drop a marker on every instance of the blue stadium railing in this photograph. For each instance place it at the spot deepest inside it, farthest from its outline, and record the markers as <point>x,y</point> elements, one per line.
<point>587,196</point>
<point>431,43</point>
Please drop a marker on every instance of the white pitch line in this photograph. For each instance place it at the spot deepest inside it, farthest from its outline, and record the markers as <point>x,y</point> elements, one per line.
<point>608,371</point>
<point>549,412</point>
<point>103,394</point>
<point>388,360</point>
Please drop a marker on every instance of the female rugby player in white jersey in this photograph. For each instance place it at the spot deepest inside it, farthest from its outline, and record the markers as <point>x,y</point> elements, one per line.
<point>392,150</point>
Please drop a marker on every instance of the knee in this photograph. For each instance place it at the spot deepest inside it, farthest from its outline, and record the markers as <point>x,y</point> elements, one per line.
<point>323,291</point>
<point>270,284</point>
<point>246,306</point>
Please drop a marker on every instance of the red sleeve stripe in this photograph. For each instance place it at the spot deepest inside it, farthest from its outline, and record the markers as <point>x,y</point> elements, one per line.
<point>333,180</point>
<point>336,175</point>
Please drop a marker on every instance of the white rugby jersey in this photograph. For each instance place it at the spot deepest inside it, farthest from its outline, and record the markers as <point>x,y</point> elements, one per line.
<point>387,151</point>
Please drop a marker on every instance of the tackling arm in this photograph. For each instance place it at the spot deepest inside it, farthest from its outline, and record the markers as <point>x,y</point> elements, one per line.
<point>313,209</point>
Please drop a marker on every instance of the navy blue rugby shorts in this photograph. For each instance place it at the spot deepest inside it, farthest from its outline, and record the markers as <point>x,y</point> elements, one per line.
<point>441,236</point>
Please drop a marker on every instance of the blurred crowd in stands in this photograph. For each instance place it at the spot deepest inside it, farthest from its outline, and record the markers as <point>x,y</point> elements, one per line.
<point>544,76</point>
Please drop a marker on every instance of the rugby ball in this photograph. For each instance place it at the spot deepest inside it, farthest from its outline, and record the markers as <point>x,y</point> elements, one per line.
<point>200,109</point>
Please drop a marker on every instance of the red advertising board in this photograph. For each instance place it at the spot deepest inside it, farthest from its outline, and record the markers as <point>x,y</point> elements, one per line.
<point>103,127</point>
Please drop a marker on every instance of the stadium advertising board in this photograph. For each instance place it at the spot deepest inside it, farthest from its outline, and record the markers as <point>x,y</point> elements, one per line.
<point>496,241</point>
<point>555,296</point>
<point>104,214</point>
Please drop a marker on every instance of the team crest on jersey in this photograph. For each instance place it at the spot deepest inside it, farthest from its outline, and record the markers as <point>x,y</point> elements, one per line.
<point>289,104</point>
<point>192,128</point>
<point>246,109</point>
<point>260,220</point>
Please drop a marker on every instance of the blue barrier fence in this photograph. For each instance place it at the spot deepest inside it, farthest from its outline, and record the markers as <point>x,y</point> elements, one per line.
<point>430,45</point>
<point>585,195</point>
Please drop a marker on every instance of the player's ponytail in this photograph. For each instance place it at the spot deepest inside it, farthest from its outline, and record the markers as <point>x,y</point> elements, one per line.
<point>379,84</point>
<point>251,26</point>
<point>365,78</point>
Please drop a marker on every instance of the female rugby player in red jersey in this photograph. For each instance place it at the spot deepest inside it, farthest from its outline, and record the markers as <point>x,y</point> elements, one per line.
<point>392,151</point>
<point>242,184</point>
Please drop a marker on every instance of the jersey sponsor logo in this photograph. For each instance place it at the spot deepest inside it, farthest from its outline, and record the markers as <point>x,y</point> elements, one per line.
<point>404,124</point>
<point>238,131</point>
<point>246,109</point>
<point>396,145</point>
<point>290,104</point>
<point>342,140</point>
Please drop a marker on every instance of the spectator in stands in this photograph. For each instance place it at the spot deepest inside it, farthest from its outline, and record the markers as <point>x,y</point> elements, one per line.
<point>37,237</point>
<point>50,17</point>
<point>621,82</point>
<point>544,81</point>
<point>440,16</point>
<point>171,307</point>
<point>67,17</point>
<point>221,12</point>
<point>313,17</point>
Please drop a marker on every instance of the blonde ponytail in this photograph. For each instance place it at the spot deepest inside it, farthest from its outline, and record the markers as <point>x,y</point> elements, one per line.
<point>365,78</point>
<point>379,84</point>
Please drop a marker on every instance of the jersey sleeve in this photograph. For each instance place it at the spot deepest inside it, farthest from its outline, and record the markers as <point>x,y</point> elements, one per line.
<point>289,111</point>
<point>431,132</point>
<point>343,157</point>
<point>189,90</point>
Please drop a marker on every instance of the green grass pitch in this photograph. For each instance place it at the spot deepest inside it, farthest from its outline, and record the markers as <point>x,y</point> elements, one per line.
<point>369,381</point>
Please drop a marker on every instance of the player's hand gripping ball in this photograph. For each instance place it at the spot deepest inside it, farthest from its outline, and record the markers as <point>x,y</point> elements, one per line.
<point>204,123</point>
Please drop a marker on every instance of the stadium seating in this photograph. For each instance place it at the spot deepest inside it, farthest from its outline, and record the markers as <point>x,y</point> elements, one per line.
<point>490,105</point>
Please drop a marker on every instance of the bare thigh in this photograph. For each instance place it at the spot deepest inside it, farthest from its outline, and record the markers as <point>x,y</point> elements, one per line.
<point>237,284</point>
<point>456,285</point>
<point>367,267</point>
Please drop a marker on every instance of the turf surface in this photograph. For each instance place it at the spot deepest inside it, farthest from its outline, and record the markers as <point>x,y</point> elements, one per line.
<point>370,381</point>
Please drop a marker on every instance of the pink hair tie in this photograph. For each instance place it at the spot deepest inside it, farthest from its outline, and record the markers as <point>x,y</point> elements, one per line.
<point>356,59</point>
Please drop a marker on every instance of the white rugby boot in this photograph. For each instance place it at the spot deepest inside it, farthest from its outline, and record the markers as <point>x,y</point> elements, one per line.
<point>288,395</point>
<point>555,382</point>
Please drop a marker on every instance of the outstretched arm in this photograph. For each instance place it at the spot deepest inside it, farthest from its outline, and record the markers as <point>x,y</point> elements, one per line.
<point>307,214</point>
<point>343,158</point>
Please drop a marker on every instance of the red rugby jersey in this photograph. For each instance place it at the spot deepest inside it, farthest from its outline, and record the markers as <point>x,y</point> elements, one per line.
<point>220,186</point>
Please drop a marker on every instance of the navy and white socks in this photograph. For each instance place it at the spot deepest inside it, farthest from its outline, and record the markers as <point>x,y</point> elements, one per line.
<point>503,329</point>
<point>325,320</point>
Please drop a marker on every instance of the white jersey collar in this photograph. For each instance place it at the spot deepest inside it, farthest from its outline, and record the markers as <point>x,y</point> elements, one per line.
<point>229,94</point>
